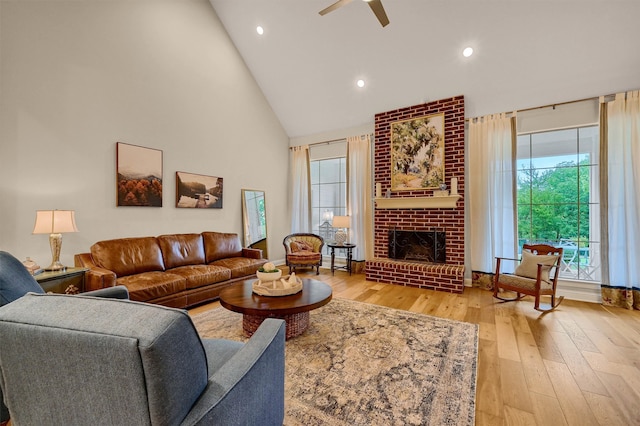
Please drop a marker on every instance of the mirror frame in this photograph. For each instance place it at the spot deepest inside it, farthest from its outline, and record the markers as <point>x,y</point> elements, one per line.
<point>260,243</point>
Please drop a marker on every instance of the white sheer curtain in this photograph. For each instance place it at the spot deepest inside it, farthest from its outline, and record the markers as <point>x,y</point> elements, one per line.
<point>359,196</point>
<point>491,178</point>
<point>623,139</point>
<point>301,188</point>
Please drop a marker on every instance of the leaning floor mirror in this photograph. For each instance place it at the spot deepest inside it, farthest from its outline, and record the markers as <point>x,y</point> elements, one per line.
<point>254,220</point>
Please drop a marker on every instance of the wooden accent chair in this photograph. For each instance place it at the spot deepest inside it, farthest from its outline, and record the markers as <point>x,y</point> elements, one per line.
<point>536,275</point>
<point>303,250</point>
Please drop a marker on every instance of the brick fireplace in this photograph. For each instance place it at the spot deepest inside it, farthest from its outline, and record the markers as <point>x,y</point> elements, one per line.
<point>412,211</point>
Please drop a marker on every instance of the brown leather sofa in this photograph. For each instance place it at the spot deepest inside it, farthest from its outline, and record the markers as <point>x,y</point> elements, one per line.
<point>177,270</point>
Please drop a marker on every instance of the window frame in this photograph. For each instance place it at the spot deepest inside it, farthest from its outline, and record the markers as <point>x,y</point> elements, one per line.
<point>581,260</point>
<point>323,212</point>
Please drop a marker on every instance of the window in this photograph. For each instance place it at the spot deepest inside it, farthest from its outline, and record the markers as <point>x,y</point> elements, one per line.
<point>558,196</point>
<point>328,195</point>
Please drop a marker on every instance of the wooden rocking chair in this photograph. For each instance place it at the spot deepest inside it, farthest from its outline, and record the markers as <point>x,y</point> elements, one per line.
<point>535,275</point>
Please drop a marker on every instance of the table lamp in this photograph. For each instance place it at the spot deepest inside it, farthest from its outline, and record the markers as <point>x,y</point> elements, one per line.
<point>55,223</point>
<point>341,222</point>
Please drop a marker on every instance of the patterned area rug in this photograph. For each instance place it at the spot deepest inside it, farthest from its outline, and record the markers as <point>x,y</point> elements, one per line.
<point>362,364</point>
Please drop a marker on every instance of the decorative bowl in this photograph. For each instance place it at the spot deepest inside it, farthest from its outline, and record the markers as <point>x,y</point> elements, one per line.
<point>269,276</point>
<point>277,288</point>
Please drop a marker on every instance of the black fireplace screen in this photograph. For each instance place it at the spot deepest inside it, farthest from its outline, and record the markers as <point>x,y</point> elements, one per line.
<point>422,246</point>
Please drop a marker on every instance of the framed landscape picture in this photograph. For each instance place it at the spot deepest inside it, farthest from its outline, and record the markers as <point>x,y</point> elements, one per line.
<point>417,153</point>
<point>138,176</point>
<point>198,191</point>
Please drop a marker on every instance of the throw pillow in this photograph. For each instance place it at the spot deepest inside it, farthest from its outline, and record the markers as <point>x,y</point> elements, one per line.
<point>300,246</point>
<point>529,265</point>
<point>305,246</point>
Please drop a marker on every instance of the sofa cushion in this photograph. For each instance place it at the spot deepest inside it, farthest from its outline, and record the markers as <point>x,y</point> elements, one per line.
<point>219,245</point>
<point>181,249</point>
<point>152,285</point>
<point>240,266</point>
<point>128,256</point>
<point>199,275</point>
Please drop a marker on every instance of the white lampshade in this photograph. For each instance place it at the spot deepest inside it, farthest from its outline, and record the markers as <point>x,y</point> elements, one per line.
<point>341,222</point>
<point>55,222</point>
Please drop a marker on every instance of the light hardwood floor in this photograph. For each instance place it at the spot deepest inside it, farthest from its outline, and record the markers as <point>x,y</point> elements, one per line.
<point>579,365</point>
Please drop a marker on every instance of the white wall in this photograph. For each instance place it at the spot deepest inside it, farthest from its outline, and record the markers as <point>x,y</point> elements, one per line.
<point>77,77</point>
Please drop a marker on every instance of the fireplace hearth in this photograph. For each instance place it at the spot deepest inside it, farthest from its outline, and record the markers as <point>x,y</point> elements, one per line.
<point>418,246</point>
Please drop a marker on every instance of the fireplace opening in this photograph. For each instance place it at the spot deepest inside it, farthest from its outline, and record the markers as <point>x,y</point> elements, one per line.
<point>420,246</point>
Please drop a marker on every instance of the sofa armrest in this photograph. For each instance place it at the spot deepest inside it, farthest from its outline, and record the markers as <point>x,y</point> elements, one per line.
<point>252,253</point>
<point>254,376</point>
<point>83,260</point>
<point>95,278</point>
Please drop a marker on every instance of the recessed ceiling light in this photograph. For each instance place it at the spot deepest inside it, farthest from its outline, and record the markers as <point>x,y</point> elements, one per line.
<point>259,30</point>
<point>360,83</point>
<point>467,52</point>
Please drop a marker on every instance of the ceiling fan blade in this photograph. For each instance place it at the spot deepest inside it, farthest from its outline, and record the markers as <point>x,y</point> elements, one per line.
<point>334,6</point>
<point>378,9</point>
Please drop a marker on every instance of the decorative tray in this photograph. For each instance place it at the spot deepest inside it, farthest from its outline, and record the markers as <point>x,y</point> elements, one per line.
<point>281,287</point>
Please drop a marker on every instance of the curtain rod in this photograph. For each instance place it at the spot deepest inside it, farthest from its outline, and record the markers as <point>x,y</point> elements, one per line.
<point>329,142</point>
<point>593,98</point>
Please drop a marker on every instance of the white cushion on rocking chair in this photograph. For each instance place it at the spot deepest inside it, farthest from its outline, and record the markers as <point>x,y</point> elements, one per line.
<point>529,265</point>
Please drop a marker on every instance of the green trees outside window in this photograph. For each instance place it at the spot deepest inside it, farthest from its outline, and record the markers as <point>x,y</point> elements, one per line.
<point>558,196</point>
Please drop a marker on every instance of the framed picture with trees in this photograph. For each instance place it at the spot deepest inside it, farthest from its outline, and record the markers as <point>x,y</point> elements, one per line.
<point>198,191</point>
<point>138,176</point>
<point>417,153</point>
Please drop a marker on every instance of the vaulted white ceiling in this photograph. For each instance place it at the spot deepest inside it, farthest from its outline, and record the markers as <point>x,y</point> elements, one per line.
<point>528,53</point>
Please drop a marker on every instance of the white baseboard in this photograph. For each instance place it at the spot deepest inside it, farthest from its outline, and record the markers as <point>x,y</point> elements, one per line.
<point>580,291</point>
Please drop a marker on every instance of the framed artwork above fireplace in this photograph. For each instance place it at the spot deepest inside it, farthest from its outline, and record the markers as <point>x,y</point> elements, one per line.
<point>417,153</point>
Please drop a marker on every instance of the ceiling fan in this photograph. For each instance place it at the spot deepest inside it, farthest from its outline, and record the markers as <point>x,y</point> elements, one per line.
<point>375,5</point>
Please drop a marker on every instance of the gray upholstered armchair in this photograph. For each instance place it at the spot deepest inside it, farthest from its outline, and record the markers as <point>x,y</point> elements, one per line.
<point>15,282</point>
<point>85,360</point>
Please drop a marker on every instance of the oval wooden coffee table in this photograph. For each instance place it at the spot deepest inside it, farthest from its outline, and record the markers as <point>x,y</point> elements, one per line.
<point>293,309</point>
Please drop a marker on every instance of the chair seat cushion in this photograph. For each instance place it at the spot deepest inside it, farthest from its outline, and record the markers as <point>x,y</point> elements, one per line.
<point>523,282</point>
<point>304,257</point>
<point>529,266</point>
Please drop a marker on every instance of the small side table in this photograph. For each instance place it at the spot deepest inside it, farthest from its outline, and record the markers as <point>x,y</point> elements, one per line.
<point>69,280</point>
<point>345,246</point>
